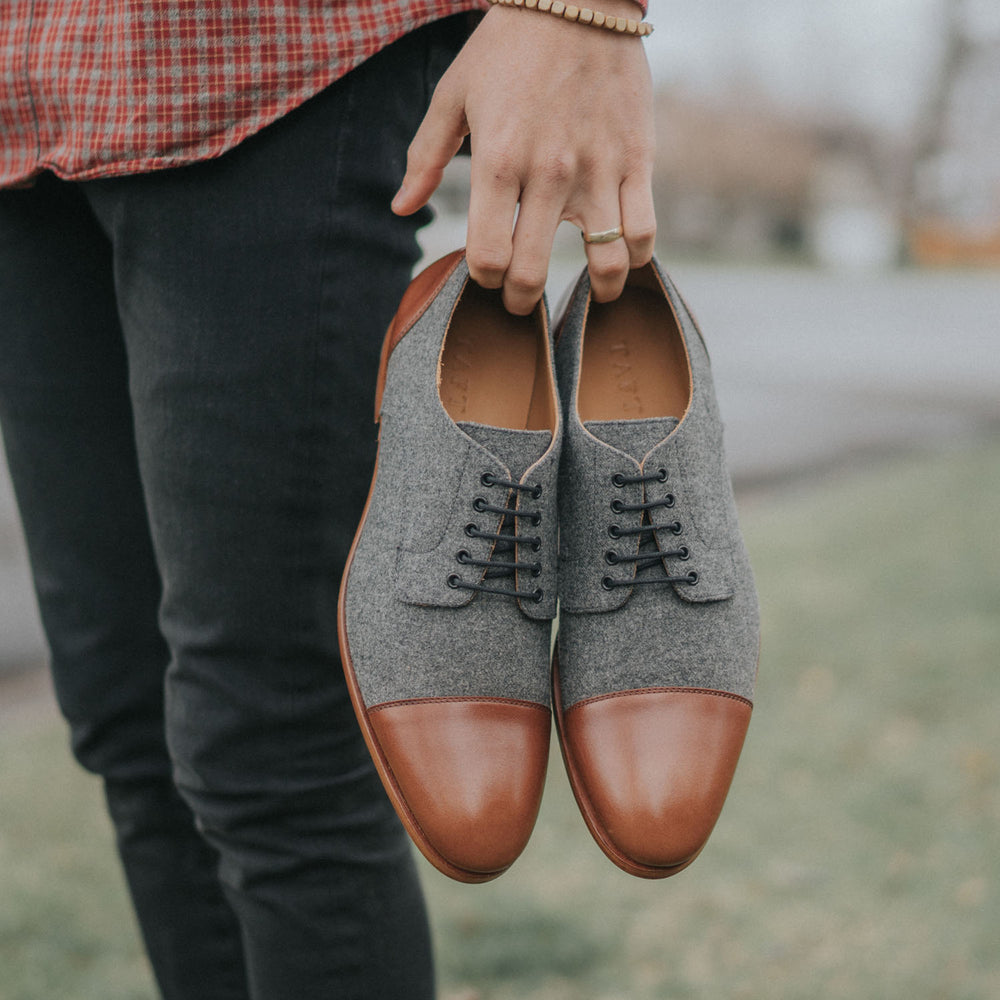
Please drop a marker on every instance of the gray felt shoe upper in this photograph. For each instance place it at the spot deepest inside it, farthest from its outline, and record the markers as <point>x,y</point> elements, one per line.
<point>698,631</point>
<point>414,628</point>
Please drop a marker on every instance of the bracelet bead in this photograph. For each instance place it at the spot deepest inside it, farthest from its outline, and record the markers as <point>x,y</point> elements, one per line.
<point>583,15</point>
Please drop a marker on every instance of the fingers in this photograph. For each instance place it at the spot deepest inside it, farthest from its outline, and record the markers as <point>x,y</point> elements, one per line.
<point>576,145</point>
<point>609,263</point>
<point>638,218</point>
<point>516,261</point>
<point>515,257</point>
<point>627,207</point>
<point>493,200</point>
<point>608,267</point>
<point>541,183</point>
<point>438,139</point>
<point>502,252</point>
<point>524,282</point>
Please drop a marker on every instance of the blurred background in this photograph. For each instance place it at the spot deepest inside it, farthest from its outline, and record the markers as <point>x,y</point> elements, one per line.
<point>844,136</point>
<point>828,197</point>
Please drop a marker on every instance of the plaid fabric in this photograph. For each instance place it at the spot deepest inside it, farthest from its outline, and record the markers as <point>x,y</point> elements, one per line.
<point>92,88</point>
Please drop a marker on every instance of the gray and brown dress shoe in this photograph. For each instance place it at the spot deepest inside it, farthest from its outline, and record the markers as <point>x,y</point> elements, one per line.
<point>658,621</point>
<point>448,597</point>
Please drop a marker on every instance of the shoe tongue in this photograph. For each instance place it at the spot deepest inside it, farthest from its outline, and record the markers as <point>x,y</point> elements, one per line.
<point>638,438</point>
<point>634,437</point>
<point>517,449</point>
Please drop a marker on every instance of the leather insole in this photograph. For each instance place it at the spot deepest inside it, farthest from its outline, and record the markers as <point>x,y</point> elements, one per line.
<point>634,362</point>
<point>493,365</point>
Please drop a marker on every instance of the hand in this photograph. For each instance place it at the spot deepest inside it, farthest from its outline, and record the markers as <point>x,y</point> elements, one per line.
<point>561,123</point>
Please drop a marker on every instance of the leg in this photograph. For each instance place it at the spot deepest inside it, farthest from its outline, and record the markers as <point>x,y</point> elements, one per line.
<point>67,424</point>
<point>253,322</point>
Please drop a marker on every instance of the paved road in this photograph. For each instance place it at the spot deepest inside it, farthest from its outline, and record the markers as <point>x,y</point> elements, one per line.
<point>811,367</point>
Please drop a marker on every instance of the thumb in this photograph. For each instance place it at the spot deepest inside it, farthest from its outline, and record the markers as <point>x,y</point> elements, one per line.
<point>438,139</point>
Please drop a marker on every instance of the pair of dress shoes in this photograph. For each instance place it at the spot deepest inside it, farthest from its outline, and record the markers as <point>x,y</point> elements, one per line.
<point>491,506</point>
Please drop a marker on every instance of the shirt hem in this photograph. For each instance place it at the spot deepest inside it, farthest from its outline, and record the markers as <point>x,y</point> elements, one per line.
<point>213,146</point>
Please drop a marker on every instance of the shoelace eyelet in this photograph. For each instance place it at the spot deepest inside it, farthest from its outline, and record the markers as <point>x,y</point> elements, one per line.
<point>661,475</point>
<point>676,528</point>
<point>502,560</point>
<point>617,506</point>
<point>611,558</point>
<point>684,552</point>
<point>537,595</point>
<point>669,500</point>
<point>614,530</point>
<point>618,480</point>
<point>693,577</point>
<point>607,583</point>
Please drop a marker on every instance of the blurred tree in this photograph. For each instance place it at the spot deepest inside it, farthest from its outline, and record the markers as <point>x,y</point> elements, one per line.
<point>950,198</point>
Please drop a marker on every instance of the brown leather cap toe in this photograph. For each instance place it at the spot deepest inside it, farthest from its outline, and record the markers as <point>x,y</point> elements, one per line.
<point>466,776</point>
<point>650,770</point>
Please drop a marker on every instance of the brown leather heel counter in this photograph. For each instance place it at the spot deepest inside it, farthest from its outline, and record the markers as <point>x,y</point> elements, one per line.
<point>417,297</point>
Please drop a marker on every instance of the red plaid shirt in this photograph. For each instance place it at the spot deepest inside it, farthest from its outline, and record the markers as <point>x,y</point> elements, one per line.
<point>91,88</point>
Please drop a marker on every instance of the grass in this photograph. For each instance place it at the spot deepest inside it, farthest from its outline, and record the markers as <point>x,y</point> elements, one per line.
<point>857,856</point>
<point>66,929</point>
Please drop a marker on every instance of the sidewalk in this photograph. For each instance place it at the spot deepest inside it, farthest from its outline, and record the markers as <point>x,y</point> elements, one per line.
<point>812,369</point>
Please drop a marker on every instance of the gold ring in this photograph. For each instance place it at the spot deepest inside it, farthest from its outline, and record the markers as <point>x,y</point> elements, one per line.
<point>604,236</point>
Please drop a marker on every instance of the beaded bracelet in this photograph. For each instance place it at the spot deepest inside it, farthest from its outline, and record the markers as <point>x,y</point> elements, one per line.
<point>583,15</point>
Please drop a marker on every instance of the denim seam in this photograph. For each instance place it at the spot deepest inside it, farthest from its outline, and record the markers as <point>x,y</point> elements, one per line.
<point>315,444</point>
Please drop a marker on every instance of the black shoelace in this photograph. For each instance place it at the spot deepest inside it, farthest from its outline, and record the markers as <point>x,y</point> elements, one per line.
<point>648,556</point>
<point>498,566</point>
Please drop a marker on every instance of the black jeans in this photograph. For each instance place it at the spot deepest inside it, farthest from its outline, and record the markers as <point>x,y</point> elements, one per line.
<point>187,364</point>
